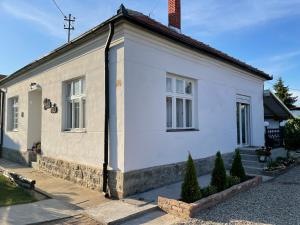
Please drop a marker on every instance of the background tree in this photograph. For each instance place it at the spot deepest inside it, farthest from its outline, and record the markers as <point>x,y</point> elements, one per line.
<point>190,189</point>
<point>284,94</point>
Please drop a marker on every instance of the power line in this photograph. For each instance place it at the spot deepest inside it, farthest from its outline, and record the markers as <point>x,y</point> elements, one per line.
<point>69,20</point>
<point>57,6</point>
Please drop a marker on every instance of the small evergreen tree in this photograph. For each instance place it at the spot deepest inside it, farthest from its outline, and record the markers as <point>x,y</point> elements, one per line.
<point>237,168</point>
<point>218,177</point>
<point>283,92</point>
<point>190,189</point>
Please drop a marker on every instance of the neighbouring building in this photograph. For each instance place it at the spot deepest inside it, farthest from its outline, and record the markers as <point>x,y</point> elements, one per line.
<point>167,95</point>
<point>275,110</point>
<point>296,111</point>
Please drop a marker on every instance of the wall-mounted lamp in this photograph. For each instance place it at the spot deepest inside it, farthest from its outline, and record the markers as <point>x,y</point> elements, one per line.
<point>34,86</point>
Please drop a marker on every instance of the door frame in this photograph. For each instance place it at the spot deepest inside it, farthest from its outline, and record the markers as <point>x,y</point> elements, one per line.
<point>246,100</point>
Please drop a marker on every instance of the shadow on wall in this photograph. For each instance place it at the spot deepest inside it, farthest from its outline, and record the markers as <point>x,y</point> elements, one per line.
<point>12,151</point>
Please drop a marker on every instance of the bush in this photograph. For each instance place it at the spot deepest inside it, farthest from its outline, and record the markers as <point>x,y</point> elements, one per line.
<point>210,190</point>
<point>292,134</point>
<point>218,178</point>
<point>233,180</point>
<point>190,189</point>
<point>237,168</point>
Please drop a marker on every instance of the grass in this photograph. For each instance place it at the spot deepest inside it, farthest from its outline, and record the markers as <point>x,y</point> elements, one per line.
<point>10,194</point>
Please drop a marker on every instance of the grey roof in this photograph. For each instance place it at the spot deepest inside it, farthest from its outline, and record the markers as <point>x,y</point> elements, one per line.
<point>150,24</point>
<point>274,107</point>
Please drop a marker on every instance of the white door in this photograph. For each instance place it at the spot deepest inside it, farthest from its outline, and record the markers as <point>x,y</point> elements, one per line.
<point>243,124</point>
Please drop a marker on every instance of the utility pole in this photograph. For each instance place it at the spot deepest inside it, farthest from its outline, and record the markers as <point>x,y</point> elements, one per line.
<point>69,26</point>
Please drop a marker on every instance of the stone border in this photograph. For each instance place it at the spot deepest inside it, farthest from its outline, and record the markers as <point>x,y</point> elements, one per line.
<point>186,210</point>
<point>275,173</point>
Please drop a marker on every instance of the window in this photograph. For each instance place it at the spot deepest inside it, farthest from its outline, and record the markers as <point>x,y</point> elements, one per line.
<point>13,113</point>
<point>179,103</point>
<point>75,104</point>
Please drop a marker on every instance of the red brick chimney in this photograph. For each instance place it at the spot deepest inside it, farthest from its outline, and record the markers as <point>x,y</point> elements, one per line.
<point>174,14</point>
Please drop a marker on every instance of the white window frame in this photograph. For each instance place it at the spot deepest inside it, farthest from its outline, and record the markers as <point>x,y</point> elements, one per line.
<point>75,98</point>
<point>184,96</point>
<point>13,118</point>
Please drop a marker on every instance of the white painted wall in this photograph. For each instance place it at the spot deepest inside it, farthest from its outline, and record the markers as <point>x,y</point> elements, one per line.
<point>273,124</point>
<point>147,61</point>
<point>82,147</point>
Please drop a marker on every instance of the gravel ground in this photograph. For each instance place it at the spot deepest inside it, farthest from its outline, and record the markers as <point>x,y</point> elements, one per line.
<point>275,202</point>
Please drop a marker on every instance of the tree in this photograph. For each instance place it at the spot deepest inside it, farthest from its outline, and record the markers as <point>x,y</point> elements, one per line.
<point>190,189</point>
<point>237,168</point>
<point>219,178</point>
<point>283,92</point>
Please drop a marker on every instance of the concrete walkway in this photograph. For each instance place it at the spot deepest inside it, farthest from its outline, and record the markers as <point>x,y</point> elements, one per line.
<point>58,188</point>
<point>40,211</point>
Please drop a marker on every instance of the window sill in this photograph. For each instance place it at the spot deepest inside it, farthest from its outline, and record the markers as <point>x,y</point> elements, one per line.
<point>75,131</point>
<point>12,130</point>
<point>182,130</point>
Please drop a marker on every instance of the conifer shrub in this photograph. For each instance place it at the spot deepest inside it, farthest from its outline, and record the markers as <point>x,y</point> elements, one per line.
<point>190,189</point>
<point>237,168</point>
<point>232,180</point>
<point>209,190</point>
<point>219,177</point>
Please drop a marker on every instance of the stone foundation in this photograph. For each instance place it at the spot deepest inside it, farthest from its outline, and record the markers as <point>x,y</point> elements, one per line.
<point>87,176</point>
<point>124,184</point>
<point>154,177</point>
<point>24,158</point>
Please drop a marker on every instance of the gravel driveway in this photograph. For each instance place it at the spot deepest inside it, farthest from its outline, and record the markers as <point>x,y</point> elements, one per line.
<point>274,202</point>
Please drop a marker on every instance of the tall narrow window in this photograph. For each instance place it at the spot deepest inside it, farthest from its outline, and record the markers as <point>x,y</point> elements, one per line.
<point>179,103</point>
<point>75,104</point>
<point>13,113</point>
<point>169,112</point>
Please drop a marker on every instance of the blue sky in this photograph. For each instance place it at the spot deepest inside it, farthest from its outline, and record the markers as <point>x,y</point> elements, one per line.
<point>265,34</point>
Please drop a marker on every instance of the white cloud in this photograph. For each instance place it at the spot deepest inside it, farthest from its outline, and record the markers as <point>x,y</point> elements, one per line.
<point>215,16</point>
<point>28,12</point>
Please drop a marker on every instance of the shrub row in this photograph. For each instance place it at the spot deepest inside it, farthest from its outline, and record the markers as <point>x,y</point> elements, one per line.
<point>191,191</point>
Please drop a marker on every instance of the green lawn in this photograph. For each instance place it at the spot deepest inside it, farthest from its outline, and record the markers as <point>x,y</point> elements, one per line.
<point>10,194</point>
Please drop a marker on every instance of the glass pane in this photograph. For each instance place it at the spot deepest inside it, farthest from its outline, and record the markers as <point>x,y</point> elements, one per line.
<point>169,84</point>
<point>188,113</point>
<point>243,116</point>
<point>69,115</point>
<point>76,114</point>
<point>179,112</point>
<point>238,122</point>
<point>69,85</point>
<point>76,90</point>
<point>188,87</point>
<point>179,86</point>
<point>169,112</point>
<point>83,113</point>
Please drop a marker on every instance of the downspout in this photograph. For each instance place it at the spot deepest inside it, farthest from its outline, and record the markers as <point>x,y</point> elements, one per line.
<point>2,121</point>
<point>106,113</point>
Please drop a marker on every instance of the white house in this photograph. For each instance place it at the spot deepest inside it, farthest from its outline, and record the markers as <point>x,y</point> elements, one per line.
<point>167,95</point>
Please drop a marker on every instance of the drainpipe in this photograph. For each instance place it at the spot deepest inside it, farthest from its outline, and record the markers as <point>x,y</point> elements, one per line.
<point>106,113</point>
<point>2,120</point>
